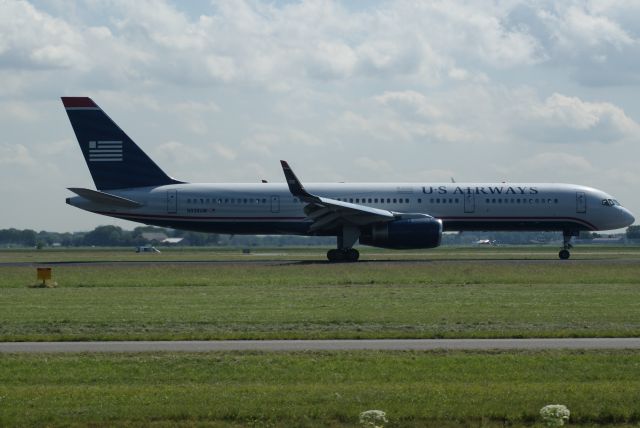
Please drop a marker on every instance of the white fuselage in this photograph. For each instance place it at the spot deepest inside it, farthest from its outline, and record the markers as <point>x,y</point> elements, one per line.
<point>270,208</point>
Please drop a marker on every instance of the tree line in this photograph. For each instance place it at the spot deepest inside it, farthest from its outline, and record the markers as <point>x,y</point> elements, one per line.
<point>101,236</point>
<point>115,236</point>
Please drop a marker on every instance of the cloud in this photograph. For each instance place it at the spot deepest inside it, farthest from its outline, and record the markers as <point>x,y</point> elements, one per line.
<point>561,118</point>
<point>382,91</point>
<point>16,155</point>
<point>224,151</point>
<point>597,41</point>
<point>178,153</point>
<point>32,39</point>
<point>376,166</point>
<point>241,41</point>
<point>415,101</point>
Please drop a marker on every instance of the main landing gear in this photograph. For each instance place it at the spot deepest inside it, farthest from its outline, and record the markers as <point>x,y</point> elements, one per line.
<point>345,251</point>
<point>343,255</point>
<point>564,253</point>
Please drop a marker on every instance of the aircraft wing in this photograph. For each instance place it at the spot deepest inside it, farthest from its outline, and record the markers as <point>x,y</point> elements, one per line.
<point>328,213</point>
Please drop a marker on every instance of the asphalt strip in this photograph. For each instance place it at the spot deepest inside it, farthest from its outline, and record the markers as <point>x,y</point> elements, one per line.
<point>321,345</point>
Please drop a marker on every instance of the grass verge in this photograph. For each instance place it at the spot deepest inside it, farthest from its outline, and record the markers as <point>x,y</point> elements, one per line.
<point>438,299</point>
<point>318,389</point>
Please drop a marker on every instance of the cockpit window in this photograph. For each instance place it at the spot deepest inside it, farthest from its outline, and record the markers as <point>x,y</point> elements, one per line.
<point>610,202</point>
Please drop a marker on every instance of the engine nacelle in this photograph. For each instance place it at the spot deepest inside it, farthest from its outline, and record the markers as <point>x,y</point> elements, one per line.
<point>404,234</point>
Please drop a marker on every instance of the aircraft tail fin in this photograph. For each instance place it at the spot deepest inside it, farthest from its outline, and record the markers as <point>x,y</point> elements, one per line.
<point>114,160</point>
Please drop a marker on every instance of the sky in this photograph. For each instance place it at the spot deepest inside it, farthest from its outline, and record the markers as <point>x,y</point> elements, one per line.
<point>362,91</point>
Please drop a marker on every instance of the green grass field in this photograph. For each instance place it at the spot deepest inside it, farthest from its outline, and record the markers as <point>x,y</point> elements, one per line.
<point>443,297</point>
<point>452,292</point>
<point>416,389</point>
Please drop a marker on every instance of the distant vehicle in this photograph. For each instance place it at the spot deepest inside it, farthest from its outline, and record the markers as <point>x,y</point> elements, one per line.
<point>485,242</point>
<point>147,249</point>
<point>131,186</point>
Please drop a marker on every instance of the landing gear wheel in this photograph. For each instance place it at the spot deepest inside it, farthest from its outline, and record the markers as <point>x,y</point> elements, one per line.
<point>334,255</point>
<point>564,254</point>
<point>345,255</point>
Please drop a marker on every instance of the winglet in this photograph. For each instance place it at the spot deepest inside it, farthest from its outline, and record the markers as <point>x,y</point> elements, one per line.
<point>295,186</point>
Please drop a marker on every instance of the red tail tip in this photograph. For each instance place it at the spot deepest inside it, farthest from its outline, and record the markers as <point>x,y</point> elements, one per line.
<point>78,102</point>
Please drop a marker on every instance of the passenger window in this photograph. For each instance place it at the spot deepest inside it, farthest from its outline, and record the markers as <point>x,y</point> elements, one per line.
<point>555,201</point>
<point>351,200</point>
<point>375,200</point>
<point>488,201</point>
<point>395,201</point>
<point>419,200</point>
<point>437,200</point>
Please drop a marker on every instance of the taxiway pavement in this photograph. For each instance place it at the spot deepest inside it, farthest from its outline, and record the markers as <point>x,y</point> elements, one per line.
<point>321,345</point>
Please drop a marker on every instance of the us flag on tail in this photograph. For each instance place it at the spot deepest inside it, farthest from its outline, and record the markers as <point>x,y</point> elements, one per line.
<point>105,151</point>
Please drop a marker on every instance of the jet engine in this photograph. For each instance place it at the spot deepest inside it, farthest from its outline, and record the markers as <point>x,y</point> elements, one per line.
<point>404,234</point>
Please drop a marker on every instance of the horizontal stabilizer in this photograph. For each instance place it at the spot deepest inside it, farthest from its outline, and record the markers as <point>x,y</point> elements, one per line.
<point>105,198</point>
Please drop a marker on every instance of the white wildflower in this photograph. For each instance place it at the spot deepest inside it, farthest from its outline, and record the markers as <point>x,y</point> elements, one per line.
<point>373,419</point>
<point>554,415</point>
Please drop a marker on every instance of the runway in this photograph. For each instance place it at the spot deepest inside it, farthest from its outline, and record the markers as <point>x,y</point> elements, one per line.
<point>322,345</point>
<point>319,261</point>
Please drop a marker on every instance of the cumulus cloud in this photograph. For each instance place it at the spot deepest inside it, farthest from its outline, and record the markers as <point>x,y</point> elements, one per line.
<point>394,90</point>
<point>16,155</point>
<point>562,118</point>
<point>180,154</point>
<point>598,41</point>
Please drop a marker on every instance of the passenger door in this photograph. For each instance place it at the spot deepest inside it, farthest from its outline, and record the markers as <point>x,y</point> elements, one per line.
<point>469,203</point>
<point>172,201</point>
<point>275,204</point>
<point>581,202</point>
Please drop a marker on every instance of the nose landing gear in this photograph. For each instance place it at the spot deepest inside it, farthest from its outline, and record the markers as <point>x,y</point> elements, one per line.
<point>564,253</point>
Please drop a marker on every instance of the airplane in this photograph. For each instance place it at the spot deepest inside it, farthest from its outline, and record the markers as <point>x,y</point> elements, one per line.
<point>131,186</point>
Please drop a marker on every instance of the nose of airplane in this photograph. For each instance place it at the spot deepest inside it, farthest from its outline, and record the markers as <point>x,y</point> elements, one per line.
<point>627,216</point>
